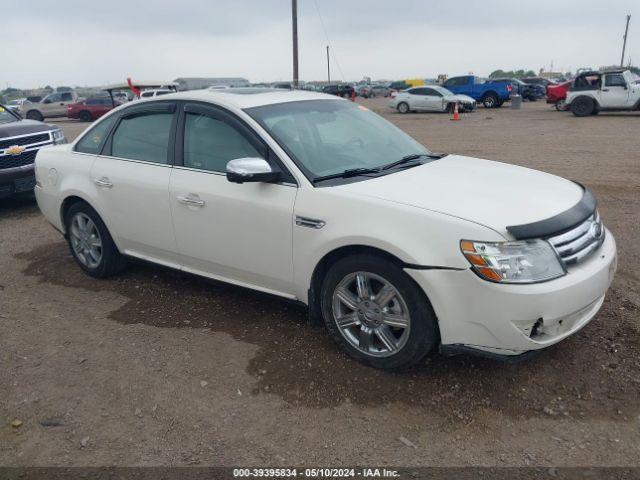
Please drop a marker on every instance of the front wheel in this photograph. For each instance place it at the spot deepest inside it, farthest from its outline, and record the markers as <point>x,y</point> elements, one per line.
<point>90,242</point>
<point>376,313</point>
<point>403,107</point>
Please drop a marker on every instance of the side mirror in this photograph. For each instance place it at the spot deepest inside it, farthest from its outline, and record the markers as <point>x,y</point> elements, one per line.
<point>251,169</point>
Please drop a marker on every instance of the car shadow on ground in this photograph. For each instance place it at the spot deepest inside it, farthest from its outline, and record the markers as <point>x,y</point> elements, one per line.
<point>595,373</point>
<point>24,203</point>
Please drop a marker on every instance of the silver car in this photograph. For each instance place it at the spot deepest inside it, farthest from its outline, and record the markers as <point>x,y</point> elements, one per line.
<point>431,98</point>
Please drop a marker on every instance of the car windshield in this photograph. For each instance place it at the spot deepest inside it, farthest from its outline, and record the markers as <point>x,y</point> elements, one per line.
<point>6,116</point>
<point>326,137</point>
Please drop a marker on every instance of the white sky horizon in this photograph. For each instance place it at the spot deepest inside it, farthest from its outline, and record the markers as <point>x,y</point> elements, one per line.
<point>88,44</point>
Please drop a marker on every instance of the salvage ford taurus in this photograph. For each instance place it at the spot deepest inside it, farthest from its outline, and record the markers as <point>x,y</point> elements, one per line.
<point>316,199</point>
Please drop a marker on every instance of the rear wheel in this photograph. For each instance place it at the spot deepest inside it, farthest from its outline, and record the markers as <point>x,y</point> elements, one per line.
<point>561,105</point>
<point>85,116</point>
<point>90,242</point>
<point>376,313</point>
<point>34,115</point>
<point>403,107</point>
<point>490,100</point>
<point>582,107</point>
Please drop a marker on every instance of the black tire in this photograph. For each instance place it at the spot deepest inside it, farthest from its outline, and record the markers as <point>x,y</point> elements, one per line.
<point>34,115</point>
<point>490,100</point>
<point>423,333</point>
<point>560,105</point>
<point>112,261</point>
<point>451,107</point>
<point>85,116</point>
<point>582,107</point>
<point>403,107</point>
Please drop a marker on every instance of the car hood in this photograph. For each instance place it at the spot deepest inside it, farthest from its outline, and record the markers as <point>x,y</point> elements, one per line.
<point>23,127</point>
<point>490,193</point>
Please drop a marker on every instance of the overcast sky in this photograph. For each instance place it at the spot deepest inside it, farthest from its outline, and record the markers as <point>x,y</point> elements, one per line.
<point>79,42</point>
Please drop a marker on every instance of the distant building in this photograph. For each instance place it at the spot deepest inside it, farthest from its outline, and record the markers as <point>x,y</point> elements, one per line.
<point>199,83</point>
<point>545,74</point>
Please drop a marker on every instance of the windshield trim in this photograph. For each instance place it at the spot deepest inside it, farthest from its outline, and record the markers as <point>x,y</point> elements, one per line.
<point>308,174</point>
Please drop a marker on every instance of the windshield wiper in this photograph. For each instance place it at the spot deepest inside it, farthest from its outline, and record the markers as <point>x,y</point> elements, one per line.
<point>410,158</point>
<point>352,172</point>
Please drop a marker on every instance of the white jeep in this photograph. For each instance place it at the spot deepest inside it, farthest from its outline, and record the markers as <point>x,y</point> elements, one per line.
<point>611,90</point>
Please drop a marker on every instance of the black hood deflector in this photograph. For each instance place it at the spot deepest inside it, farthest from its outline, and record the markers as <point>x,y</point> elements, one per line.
<point>559,223</point>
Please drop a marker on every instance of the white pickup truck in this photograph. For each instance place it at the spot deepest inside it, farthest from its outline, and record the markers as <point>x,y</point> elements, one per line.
<point>610,90</point>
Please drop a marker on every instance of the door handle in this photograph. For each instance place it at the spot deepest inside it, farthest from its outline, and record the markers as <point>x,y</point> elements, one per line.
<point>191,199</point>
<point>103,182</point>
<point>605,89</point>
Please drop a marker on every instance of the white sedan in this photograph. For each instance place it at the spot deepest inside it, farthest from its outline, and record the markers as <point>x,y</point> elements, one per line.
<point>316,199</point>
<point>430,98</point>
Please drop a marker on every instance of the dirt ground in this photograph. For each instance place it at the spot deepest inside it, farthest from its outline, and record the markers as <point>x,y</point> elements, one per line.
<point>156,367</point>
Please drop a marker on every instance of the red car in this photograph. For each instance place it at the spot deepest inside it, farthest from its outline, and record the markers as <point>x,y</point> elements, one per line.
<point>557,94</point>
<point>90,109</point>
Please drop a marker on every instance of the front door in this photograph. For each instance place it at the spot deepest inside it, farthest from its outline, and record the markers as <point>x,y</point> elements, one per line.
<point>241,233</point>
<point>131,180</point>
<point>615,91</point>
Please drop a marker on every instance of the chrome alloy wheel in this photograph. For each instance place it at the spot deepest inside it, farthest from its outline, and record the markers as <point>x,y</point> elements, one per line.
<point>371,314</point>
<point>85,240</point>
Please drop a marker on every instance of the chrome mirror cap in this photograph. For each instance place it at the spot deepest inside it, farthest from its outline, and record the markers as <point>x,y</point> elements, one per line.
<point>251,169</point>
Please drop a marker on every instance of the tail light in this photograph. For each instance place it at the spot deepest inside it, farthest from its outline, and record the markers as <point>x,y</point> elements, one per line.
<point>509,88</point>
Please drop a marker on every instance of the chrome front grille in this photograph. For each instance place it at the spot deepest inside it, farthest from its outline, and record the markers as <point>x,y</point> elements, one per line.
<point>581,241</point>
<point>30,144</point>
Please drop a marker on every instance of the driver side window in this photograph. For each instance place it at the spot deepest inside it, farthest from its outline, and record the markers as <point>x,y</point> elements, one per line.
<point>616,80</point>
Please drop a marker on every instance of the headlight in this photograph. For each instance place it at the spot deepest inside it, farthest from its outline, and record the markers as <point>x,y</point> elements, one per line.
<point>58,137</point>
<point>525,261</point>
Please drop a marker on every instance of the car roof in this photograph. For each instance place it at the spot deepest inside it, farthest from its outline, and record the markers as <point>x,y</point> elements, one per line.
<point>242,98</point>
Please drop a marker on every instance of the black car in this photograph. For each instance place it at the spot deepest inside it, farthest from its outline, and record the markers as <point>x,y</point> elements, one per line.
<point>20,140</point>
<point>525,90</point>
<point>341,90</point>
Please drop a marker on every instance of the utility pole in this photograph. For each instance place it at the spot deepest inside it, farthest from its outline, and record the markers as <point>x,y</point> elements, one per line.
<point>328,67</point>
<point>294,16</point>
<point>624,42</point>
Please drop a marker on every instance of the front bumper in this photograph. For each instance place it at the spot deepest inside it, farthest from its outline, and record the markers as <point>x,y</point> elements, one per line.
<point>17,180</point>
<point>512,319</point>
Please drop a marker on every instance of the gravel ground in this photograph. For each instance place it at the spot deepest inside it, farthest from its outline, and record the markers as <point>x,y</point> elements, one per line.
<point>155,367</point>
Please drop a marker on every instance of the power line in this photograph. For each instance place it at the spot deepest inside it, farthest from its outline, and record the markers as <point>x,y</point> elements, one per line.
<point>326,36</point>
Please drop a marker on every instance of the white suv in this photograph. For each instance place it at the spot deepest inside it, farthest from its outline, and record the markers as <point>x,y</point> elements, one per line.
<point>613,90</point>
<point>319,200</point>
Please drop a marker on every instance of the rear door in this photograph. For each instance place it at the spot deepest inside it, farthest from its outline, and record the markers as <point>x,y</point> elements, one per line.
<point>131,179</point>
<point>433,100</point>
<point>415,97</point>
<point>615,91</point>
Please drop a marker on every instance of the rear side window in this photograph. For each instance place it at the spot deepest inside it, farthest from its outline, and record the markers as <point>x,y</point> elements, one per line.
<point>210,143</point>
<point>94,138</point>
<point>143,137</point>
<point>66,97</point>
